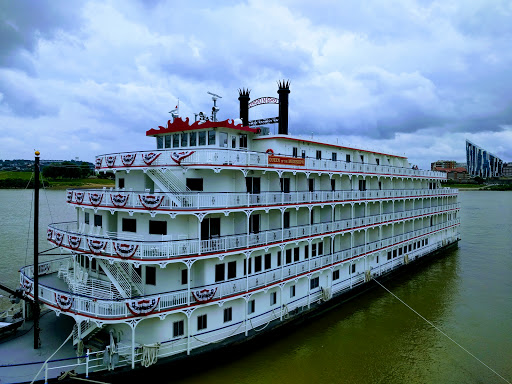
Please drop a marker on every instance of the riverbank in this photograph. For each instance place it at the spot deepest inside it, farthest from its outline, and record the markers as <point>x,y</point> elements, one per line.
<point>17,180</point>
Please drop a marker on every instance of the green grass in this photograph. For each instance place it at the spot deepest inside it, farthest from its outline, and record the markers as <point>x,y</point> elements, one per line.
<point>20,180</point>
<point>25,175</point>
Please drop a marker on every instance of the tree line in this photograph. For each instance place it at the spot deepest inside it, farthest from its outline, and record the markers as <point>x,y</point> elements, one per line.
<point>67,170</point>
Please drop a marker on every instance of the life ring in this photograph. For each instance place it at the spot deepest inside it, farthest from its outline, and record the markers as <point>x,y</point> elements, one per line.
<point>270,151</point>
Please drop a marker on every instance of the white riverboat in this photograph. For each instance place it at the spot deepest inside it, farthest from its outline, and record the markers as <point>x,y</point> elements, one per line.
<point>224,230</point>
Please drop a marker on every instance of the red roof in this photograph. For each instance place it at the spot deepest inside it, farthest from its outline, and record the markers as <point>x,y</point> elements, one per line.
<point>178,125</point>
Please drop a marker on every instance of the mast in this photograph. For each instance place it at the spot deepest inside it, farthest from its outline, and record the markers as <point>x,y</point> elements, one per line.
<point>37,341</point>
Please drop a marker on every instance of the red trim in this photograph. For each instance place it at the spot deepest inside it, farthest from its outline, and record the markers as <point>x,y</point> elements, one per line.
<point>328,145</point>
<point>178,125</point>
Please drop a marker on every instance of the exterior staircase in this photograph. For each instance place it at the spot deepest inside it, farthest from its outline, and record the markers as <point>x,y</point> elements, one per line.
<point>124,277</point>
<point>167,181</point>
<point>87,329</point>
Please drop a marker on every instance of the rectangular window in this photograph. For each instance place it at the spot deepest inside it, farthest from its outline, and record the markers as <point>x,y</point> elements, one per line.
<point>184,139</point>
<point>313,250</point>
<point>211,137</point>
<point>253,185</point>
<point>318,155</point>
<point>303,154</point>
<point>202,322</point>
<point>168,142</point>
<point>285,184</point>
<point>295,152</point>
<point>231,269</point>
<point>389,255</point>
<point>98,220</point>
<point>157,227</point>
<point>219,272</point>
<point>210,228</point>
<point>353,268</point>
<point>377,161</point>
<point>184,276</point>
<point>336,274</point>
<point>228,314</point>
<point>233,141</point>
<point>243,141</point>
<point>334,156</point>
<point>195,183</point>
<point>193,139</point>
<point>273,298</point>
<point>311,185</point>
<point>159,142</point>
<point>292,291</point>
<point>288,256</point>
<point>286,220</point>
<point>251,306</point>
<point>306,252</point>
<point>178,328</point>
<point>150,275</point>
<point>394,253</point>
<point>347,158</point>
<point>362,159</point>
<point>129,225</point>
<point>296,254</point>
<point>202,138</point>
<point>320,248</point>
<point>176,140</point>
<point>278,258</point>
<point>257,264</point>
<point>86,217</point>
<point>120,182</point>
<point>362,185</point>
<point>333,185</point>
<point>223,139</point>
<point>314,283</point>
<point>254,224</point>
<point>399,251</point>
<point>268,261</point>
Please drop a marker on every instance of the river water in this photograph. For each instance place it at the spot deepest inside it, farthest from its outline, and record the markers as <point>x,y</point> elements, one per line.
<point>373,338</point>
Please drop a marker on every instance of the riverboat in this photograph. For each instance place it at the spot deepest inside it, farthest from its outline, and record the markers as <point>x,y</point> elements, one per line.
<point>224,230</point>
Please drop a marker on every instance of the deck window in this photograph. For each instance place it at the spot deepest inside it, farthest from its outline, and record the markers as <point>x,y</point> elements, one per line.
<point>292,290</point>
<point>303,154</point>
<point>254,224</point>
<point>319,155</point>
<point>243,141</point>
<point>253,185</point>
<point>288,256</point>
<point>334,156</point>
<point>150,275</point>
<point>178,328</point>
<point>251,306</point>
<point>313,250</point>
<point>279,258</point>
<point>98,220</point>
<point>286,220</point>
<point>86,218</point>
<point>219,272</point>
<point>231,269</point>
<point>157,227</point>
<point>353,268</point>
<point>268,261</point>
<point>129,225</point>
<point>306,252</point>
<point>296,254</point>
<point>336,274</point>
<point>184,276</point>
<point>377,161</point>
<point>176,140</point>
<point>120,182</point>
<point>314,283</point>
<point>210,228</point>
<point>228,314</point>
<point>273,298</point>
<point>311,185</point>
<point>285,184</point>
<point>333,185</point>
<point>295,152</point>
<point>195,183</point>
<point>211,137</point>
<point>362,159</point>
<point>193,139</point>
<point>202,138</point>
<point>223,139</point>
<point>347,158</point>
<point>233,141</point>
<point>257,264</point>
<point>184,139</point>
<point>202,322</point>
<point>159,142</point>
<point>168,142</point>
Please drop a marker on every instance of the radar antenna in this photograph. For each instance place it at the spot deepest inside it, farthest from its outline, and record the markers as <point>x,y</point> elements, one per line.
<point>214,108</point>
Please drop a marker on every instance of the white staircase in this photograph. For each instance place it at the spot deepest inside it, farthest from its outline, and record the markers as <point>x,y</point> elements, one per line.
<point>167,181</point>
<point>87,328</point>
<point>124,278</point>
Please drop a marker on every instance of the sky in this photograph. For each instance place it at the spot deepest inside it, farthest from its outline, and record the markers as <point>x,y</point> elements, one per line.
<point>414,78</point>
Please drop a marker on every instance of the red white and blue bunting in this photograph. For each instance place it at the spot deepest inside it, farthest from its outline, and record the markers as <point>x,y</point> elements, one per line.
<point>148,158</point>
<point>178,156</point>
<point>49,234</point>
<point>96,246</point>
<point>99,160</point>
<point>151,201</point>
<point>142,307</point>
<point>110,160</point>
<point>74,242</point>
<point>95,198</point>
<point>69,196</point>
<point>119,200</point>
<point>125,250</point>
<point>79,197</point>
<point>64,302</point>
<point>59,236</point>
<point>204,295</point>
<point>26,284</point>
<point>128,159</point>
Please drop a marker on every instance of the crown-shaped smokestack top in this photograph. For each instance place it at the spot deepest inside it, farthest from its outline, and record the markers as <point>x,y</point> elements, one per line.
<point>244,105</point>
<point>283,91</point>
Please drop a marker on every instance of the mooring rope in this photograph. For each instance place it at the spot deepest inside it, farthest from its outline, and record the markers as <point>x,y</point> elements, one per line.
<point>444,334</point>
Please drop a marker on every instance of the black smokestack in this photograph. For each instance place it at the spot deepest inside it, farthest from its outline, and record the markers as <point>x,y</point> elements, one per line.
<point>283,91</point>
<point>244,105</point>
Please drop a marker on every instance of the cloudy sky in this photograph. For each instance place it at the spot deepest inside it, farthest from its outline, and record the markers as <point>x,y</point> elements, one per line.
<point>82,78</point>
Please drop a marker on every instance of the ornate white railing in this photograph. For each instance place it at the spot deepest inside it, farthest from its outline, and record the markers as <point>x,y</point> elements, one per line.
<point>66,235</point>
<point>123,199</point>
<point>230,157</point>
<point>115,309</point>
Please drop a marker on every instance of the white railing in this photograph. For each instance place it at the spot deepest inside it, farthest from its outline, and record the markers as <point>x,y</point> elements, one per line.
<point>229,157</point>
<point>206,200</point>
<point>61,233</point>
<point>107,309</point>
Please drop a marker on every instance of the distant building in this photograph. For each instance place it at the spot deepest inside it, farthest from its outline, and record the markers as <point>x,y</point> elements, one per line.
<point>481,162</point>
<point>507,170</point>
<point>458,174</point>
<point>445,164</point>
